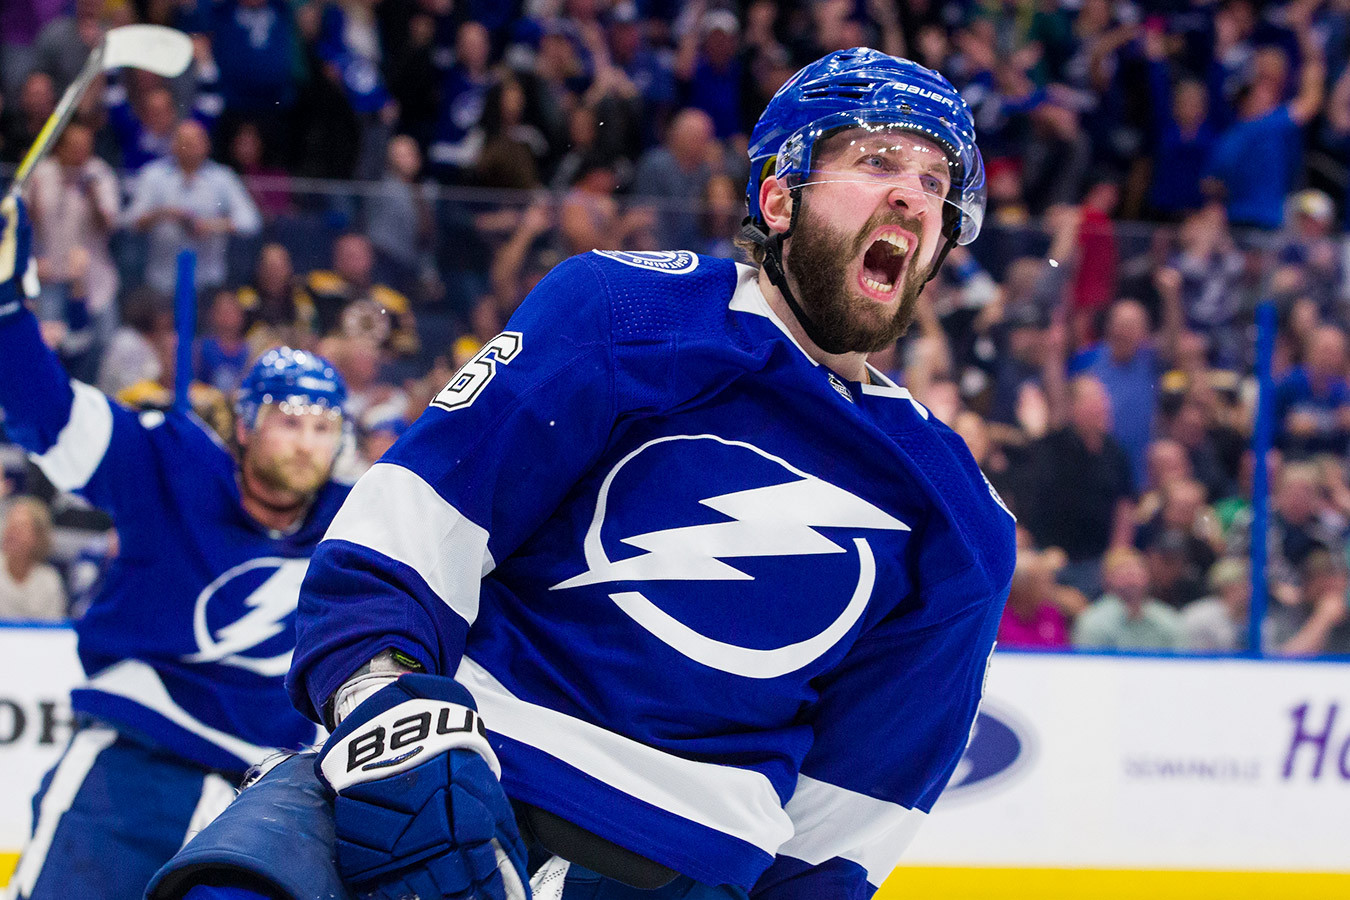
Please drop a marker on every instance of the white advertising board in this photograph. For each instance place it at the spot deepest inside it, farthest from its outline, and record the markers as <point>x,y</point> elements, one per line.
<point>38,668</point>
<point>1077,761</point>
<point>1151,763</point>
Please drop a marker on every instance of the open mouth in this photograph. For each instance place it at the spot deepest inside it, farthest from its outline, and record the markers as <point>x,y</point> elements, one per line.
<point>884,261</point>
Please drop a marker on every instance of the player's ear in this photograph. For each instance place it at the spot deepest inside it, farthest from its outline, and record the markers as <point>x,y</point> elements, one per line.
<point>775,204</point>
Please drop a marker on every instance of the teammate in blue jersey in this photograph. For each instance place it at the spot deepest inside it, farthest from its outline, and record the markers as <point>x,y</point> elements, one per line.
<point>668,593</point>
<point>187,645</point>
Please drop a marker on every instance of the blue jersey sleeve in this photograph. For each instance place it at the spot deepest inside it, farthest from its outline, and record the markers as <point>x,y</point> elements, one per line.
<point>80,439</point>
<point>488,461</point>
<point>882,755</point>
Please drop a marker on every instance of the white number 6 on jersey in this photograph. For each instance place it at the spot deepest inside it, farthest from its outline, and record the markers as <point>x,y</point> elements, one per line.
<point>469,381</point>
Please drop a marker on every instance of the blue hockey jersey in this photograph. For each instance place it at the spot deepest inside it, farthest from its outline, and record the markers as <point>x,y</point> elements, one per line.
<point>715,603</point>
<point>187,645</point>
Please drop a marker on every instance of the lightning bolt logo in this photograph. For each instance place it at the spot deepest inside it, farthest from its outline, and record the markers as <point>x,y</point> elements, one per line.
<point>268,608</point>
<point>779,520</point>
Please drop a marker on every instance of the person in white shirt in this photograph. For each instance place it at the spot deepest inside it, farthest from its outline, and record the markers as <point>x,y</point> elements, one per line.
<point>190,201</point>
<point>30,589</point>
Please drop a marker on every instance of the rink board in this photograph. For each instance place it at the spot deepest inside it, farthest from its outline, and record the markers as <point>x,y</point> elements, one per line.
<point>1092,776</point>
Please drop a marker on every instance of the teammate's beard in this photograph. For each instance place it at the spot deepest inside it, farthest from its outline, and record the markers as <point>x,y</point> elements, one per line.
<point>286,483</point>
<point>817,261</point>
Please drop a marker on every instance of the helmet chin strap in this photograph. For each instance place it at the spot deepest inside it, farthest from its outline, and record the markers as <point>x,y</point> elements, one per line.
<point>771,243</point>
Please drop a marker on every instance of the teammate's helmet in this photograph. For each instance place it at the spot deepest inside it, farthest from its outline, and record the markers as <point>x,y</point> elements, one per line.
<point>864,88</point>
<point>286,376</point>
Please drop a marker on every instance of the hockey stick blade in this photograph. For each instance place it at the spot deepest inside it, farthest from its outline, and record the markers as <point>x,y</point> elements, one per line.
<point>154,48</point>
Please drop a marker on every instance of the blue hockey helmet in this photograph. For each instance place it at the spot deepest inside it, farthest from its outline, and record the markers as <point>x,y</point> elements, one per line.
<point>296,378</point>
<point>868,89</point>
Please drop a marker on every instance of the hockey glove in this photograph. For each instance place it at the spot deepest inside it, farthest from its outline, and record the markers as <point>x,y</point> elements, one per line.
<point>16,249</point>
<point>419,809</point>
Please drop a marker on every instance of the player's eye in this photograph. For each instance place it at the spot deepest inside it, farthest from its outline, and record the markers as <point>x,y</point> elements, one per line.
<point>932,184</point>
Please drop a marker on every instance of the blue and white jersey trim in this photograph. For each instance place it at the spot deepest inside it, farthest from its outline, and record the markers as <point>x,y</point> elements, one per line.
<point>82,443</point>
<point>834,822</point>
<point>394,512</point>
<point>138,682</point>
<point>737,802</point>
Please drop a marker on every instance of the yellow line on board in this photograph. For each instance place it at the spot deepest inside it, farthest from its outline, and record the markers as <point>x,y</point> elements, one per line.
<point>1109,884</point>
<point>7,863</point>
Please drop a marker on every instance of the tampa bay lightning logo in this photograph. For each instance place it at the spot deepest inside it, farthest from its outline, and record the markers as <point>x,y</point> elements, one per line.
<point>1000,747</point>
<point>671,262</point>
<point>244,617</point>
<point>780,526</point>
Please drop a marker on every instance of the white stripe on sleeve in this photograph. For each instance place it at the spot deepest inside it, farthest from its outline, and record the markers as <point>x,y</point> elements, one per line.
<point>832,821</point>
<point>81,445</point>
<point>392,511</point>
<point>735,801</point>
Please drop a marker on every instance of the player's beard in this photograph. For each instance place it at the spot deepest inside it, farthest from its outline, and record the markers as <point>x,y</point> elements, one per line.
<point>818,259</point>
<point>287,481</point>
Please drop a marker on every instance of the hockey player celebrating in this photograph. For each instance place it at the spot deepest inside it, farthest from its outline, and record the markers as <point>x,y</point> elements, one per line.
<point>187,645</point>
<point>722,595</point>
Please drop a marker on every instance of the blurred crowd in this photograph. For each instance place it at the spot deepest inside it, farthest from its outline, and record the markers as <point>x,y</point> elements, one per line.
<point>384,180</point>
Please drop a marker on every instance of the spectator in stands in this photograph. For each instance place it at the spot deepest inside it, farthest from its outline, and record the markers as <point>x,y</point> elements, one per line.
<point>64,42</point>
<point>1315,624</point>
<point>1191,419</point>
<point>463,96</point>
<point>143,114</point>
<point>348,300</point>
<point>1312,403</point>
<point>1186,533</point>
<point>510,151</point>
<point>648,70</point>
<point>222,354</point>
<point>1079,493</point>
<point>1309,241</point>
<point>1217,623</point>
<point>1301,522</point>
<point>591,218</point>
<point>677,173</point>
<point>525,257</point>
<point>248,157</point>
<point>277,309</point>
<point>190,201</point>
<point>20,124</point>
<point>1210,268</point>
<point>350,46</point>
<point>709,70</point>
<point>1126,617</point>
<point>30,589</point>
<point>1254,161</point>
<point>74,203</point>
<point>1183,134</point>
<point>1031,618</point>
<point>1129,362</point>
<point>142,348</point>
<point>254,47</point>
<point>399,217</point>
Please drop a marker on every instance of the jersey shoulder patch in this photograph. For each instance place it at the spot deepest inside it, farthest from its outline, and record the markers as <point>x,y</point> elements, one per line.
<point>668,262</point>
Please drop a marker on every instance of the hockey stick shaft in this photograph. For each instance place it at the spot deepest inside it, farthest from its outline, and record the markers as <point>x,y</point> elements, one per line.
<point>57,121</point>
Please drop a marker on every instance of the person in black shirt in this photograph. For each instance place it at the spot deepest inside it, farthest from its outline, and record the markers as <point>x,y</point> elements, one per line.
<point>1079,495</point>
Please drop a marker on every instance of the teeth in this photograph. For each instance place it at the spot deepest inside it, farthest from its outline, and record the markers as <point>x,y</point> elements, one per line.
<point>898,242</point>
<point>876,285</point>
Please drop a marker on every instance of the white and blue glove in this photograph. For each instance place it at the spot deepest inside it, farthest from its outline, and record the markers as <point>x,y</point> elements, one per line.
<point>419,810</point>
<point>18,275</point>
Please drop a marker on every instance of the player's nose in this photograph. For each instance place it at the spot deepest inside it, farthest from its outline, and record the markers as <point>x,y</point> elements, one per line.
<point>908,194</point>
